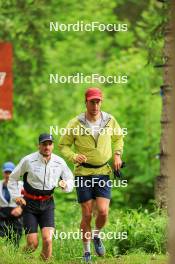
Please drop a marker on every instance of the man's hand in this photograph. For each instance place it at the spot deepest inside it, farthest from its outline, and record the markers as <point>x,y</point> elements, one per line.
<point>16,211</point>
<point>80,158</point>
<point>62,184</point>
<point>117,162</point>
<point>20,201</point>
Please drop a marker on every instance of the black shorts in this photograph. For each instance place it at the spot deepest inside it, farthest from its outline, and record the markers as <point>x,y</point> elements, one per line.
<point>90,187</point>
<point>38,213</point>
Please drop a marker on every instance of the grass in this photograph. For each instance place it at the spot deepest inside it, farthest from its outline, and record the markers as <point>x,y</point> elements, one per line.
<point>145,243</point>
<point>8,256</point>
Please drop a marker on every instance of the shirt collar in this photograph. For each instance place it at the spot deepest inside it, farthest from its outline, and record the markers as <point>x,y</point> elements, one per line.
<point>104,116</point>
<point>40,156</point>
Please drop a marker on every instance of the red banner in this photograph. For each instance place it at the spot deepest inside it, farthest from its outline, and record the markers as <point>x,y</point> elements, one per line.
<point>6,81</point>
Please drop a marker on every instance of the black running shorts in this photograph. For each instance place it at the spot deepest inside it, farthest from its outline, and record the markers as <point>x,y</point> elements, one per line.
<point>38,213</point>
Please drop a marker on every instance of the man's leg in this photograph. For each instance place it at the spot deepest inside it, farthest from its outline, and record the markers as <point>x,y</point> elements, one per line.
<point>85,198</point>
<point>102,205</point>
<point>85,225</point>
<point>30,223</point>
<point>103,196</point>
<point>47,234</point>
<point>47,224</point>
<point>32,242</point>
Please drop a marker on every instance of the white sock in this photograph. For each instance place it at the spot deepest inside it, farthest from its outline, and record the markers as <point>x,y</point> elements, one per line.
<point>96,232</point>
<point>87,247</point>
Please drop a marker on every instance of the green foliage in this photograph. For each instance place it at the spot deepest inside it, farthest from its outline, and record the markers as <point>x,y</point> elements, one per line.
<point>146,237</point>
<point>8,257</point>
<point>38,104</point>
<point>146,232</point>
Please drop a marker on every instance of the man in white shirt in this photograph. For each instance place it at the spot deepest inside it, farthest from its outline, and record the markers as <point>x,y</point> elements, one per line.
<point>41,173</point>
<point>10,213</point>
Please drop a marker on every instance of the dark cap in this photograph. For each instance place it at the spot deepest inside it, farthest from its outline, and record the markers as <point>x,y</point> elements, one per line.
<point>45,137</point>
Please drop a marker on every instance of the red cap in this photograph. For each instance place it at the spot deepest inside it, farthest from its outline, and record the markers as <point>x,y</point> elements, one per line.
<point>93,93</point>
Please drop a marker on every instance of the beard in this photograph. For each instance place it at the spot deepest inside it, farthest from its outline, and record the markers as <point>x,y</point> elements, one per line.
<point>45,154</point>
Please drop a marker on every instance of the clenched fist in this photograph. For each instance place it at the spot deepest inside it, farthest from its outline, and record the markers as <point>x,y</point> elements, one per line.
<point>20,201</point>
<point>62,184</point>
<point>16,211</point>
<point>80,158</point>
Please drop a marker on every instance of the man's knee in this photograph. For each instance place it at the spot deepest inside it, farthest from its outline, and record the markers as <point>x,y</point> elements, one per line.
<point>103,212</point>
<point>32,244</point>
<point>87,212</point>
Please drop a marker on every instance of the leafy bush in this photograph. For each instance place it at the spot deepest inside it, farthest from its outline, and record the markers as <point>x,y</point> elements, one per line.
<point>146,232</point>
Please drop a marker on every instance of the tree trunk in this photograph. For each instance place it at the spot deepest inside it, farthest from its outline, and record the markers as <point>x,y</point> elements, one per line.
<point>161,184</point>
<point>171,146</point>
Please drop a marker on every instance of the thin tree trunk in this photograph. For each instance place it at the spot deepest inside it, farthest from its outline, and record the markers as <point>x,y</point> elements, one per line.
<point>171,141</point>
<point>161,185</point>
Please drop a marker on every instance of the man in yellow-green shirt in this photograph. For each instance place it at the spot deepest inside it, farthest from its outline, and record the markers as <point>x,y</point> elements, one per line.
<point>93,134</point>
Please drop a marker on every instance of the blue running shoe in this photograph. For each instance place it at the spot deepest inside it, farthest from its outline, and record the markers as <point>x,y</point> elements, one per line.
<point>99,247</point>
<point>87,257</point>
